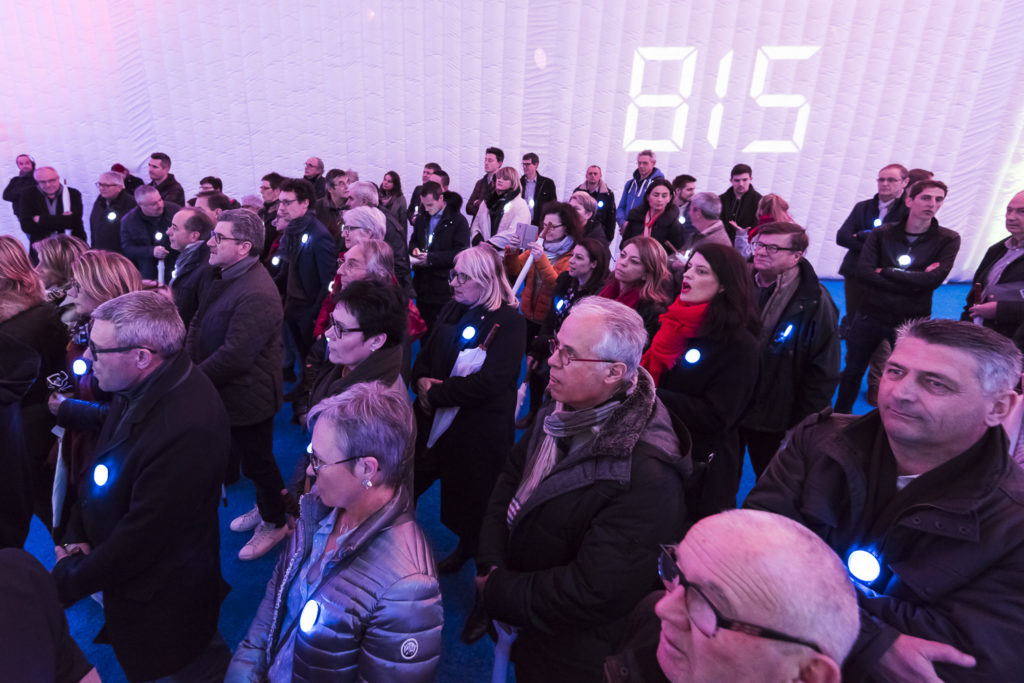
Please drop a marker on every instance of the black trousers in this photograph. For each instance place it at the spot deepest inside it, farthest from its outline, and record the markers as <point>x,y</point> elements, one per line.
<point>761,446</point>
<point>861,341</point>
<point>254,444</point>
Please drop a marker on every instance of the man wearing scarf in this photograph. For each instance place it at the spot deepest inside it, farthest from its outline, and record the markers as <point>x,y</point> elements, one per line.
<point>799,341</point>
<point>50,207</point>
<point>570,541</point>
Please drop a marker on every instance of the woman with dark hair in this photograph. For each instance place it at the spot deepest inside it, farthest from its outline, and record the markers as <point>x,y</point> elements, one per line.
<point>26,316</point>
<point>469,454</point>
<point>505,208</point>
<point>704,361</point>
<point>560,231</point>
<point>392,200</point>
<point>586,274</point>
<point>656,216</point>
<point>642,281</point>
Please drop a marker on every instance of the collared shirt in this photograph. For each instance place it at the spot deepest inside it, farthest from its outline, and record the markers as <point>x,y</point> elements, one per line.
<point>303,585</point>
<point>1013,252</point>
<point>883,208</point>
<point>432,226</point>
<point>51,204</point>
<point>529,190</point>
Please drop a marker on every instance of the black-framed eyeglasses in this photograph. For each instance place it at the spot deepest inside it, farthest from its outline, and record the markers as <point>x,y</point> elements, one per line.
<point>219,237</point>
<point>96,350</point>
<point>551,226</point>
<point>316,465</point>
<point>703,614</point>
<point>770,249</point>
<point>462,278</point>
<point>339,330</point>
<point>564,359</point>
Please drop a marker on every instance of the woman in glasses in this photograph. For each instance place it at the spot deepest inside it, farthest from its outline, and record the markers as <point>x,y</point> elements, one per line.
<point>504,206</point>
<point>97,276</point>
<point>26,316</point>
<point>355,595</point>
<point>704,361</point>
<point>642,281</point>
<point>468,456</point>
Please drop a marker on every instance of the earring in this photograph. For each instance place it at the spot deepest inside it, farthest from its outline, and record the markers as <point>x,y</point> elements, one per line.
<point>367,484</point>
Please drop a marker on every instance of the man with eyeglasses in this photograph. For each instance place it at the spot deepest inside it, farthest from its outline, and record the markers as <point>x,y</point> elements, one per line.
<point>144,529</point>
<point>111,206</point>
<point>235,339</point>
<point>538,190</point>
<point>886,206</point>
<point>571,538</point>
<point>328,208</point>
<point>799,341</point>
<point>50,207</point>
<point>752,596</point>
<point>925,505</point>
<point>144,233</point>
<point>313,173</point>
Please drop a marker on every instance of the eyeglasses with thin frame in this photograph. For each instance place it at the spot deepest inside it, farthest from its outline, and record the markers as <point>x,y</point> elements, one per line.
<point>551,226</point>
<point>703,614</point>
<point>462,278</point>
<point>339,330</point>
<point>219,237</point>
<point>316,465</point>
<point>770,249</point>
<point>104,185</point>
<point>564,359</point>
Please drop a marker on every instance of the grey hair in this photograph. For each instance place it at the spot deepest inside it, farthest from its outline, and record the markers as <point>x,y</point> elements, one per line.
<point>808,591</point>
<point>112,177</point>
<point>368,218</point>
<point>624,335</point>
<point>709,205</point>
<point>380,260</point>
<point>143,191</point>
<point>145,319</point>
<point>372,420</point>
<point>252,201</point>
<point>245,225</point>
<point>999,360</point>
<point>364,193</point>
<point>588,203</point>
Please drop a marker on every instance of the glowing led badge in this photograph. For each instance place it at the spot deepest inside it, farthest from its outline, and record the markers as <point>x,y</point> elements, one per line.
<point>100,475</point>
<point>863,565</point>
<point>692,356</point>
<point>308,617</point>
<point>80,366</point>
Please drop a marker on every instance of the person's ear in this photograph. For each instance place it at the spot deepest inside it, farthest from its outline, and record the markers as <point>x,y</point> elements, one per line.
<point>616,373</point>
<point>377,341</point>
<point>368,467</point>
<point>1002,406</point>
<point>820,669</point>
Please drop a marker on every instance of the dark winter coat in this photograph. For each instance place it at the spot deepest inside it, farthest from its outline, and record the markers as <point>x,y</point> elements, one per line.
<point>138,238</point>
<point>1009,320</point>
<point>170,190</point>
<point>21,368</point>
<point>190,276</point>
<point>666,228</point>
<point>17,185</point>
<point>543,193</point>
<point>582,550</point>
<point>605,215</point>
<point>474,448</point>
<point>951,555</point>
<point>744,212</point>
<point>897,294</point>
<point>799,365</point>
<point>105,221</point>
<point>153,523</point>
<point>708,389</point>
<point>235,339</point>
<point>450,237</point>
<point>32,202</point>
<point>854,231</point>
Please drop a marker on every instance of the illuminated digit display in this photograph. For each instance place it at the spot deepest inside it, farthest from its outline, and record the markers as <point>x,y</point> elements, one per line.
<point>678,100</point>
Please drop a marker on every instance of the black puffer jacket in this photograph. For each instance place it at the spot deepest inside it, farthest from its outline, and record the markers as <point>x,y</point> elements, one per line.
<point>105,221</point>
<point>235,339</point>
<point>583,548</point>
<point>799,364</point>
<point>380,613</point>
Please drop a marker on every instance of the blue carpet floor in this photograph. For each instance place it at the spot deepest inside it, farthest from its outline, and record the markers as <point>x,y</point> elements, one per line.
<point>459,662</point>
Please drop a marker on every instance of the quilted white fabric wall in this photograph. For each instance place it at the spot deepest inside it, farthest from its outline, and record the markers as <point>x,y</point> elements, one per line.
<point>816,96</point>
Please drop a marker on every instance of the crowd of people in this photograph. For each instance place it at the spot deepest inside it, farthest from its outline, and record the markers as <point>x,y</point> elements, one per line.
<point>663,336</point>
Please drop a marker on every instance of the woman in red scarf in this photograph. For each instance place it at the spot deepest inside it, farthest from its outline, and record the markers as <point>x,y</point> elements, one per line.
<point>704,360</point>
<point>656,217</point>
<point>641,280</point>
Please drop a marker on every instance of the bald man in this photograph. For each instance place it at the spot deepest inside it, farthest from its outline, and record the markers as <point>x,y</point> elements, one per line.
<point>995,299</point>
<point>754,596</point>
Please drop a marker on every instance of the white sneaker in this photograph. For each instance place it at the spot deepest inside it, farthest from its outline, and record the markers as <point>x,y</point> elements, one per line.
<point>247,522</point>
<point>265,538</point>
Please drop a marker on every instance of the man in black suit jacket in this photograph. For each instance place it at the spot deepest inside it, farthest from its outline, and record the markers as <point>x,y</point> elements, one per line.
<point>163,180</point>
<point>189,230</point>
<point>144,529</point>
<point>537,190</point>
<point>43,210</point>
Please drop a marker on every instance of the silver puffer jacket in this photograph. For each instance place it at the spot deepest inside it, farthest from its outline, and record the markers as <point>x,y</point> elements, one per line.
<point>380,612</point>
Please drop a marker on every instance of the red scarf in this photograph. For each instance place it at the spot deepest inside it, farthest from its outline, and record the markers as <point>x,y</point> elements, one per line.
<point>679,324</point>
<point>651,218</point>
<point>613,291</point>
